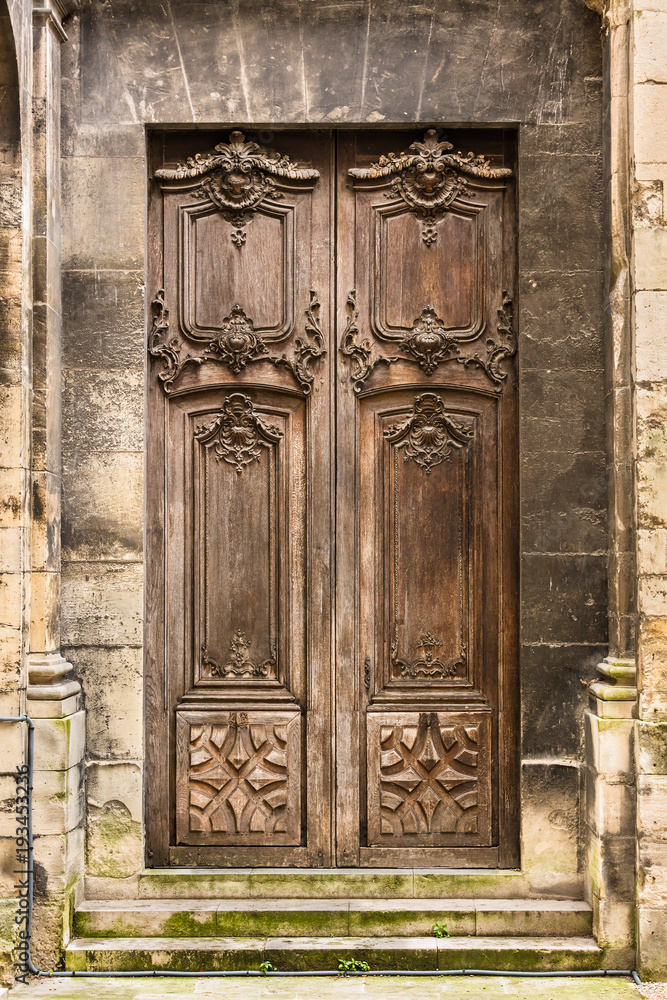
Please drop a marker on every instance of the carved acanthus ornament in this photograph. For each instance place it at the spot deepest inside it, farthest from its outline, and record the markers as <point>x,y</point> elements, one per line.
<point>429,433</point>
<point>238,433</point>
<point>428,664</point>
<point>236,345</point>
<point>430,344</point>
<point>237,176</point>
<point>428,177</point>
<point>240,665</point>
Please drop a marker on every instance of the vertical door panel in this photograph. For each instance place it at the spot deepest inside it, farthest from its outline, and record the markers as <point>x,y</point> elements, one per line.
<point>426,640</point>
<point>239,485</point>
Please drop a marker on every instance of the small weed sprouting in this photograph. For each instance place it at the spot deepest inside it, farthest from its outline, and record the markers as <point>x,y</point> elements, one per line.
<point>346,965</point>
<point>440,930</point>
<point>267,967</point>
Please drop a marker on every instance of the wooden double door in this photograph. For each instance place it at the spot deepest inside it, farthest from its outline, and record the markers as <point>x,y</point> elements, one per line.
<point>332,530</point>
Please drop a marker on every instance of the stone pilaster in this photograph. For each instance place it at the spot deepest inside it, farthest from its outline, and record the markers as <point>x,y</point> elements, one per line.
<point>610,809</point>
<point>53,698</point>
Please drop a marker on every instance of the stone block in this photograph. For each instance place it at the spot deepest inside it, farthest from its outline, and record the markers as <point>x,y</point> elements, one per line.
<point>564,598</point>
<point>45,547</point>
<point>610,745</point>
<point>562,410</point>
<point>652,648</point>
<point>610,806</point>
<point>652,872</point>
<point>102,411</point>
<point>652,550</point>
<point>560,222</point>
<point>112,681</point>
<point>650,342</point>
<point>11,494</point>
<point>10,426</point>
<point>60,743</point>
<point>59,860</point>
<point>104,320</point>
<point>10,600</point>
<point>650,123</point>
<point>103,212</point>
<point>45,604</point>
<point>614,924</point>
<point>103,506</point>
<point>653,596</point>
<point>652,806</point>
<point>553,697</point>
<point>58,800</point>
<point>576,339</point>
<point>550,827</point>
<point>652,747</point>
<point>650,256</point>
<point>10,549</point>
<point>652,943</point>
<point>102,604</point>
<point>564,502</point>
<point>12,741</point>
<point>610,865</point>
<point>652,494</point>
<point>113,834</point>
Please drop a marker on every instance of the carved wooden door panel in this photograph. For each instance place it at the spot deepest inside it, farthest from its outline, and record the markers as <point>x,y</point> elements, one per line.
<point>427,573</point>
<point>273,739</point>
<point>239,501</point>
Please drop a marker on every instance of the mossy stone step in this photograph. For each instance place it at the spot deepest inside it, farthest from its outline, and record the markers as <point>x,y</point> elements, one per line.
<point>333,883</point>
<point>317,953</point>
<point>323,917</point>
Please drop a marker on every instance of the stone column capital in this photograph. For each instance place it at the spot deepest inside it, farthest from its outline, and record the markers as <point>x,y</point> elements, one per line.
<point>50,695</point>
<point>53,13</point>
<point>615,696</point>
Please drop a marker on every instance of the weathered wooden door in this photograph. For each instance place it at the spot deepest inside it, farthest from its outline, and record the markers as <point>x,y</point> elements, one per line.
<point>332,490</point>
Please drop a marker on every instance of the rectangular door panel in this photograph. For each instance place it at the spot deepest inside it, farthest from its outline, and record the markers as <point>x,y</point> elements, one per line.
<point>427,563</point>
<point>239,490</point>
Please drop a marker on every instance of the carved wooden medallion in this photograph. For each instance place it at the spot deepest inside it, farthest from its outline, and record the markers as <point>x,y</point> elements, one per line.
<point>237,176</point>
<point>428,435</point>
<point>428,177</point>
<point>238,432</point>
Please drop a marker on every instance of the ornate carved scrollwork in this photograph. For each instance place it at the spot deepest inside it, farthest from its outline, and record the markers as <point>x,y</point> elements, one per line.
<point>428,664</point>
<point>235,345</point>
<point>428,177</point>
<point>237,177</point>
<point>238,432</point>
<point>240,665</point>
<point>428,435</point>
<point>430,344</point>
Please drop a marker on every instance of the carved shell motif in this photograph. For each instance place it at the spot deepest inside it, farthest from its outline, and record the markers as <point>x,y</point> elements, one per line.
<point>428,177</point>
<point>237,176</point>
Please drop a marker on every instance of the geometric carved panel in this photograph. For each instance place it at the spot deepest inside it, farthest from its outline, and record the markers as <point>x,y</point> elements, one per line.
<point>238,778</point>
<point>429,780</point>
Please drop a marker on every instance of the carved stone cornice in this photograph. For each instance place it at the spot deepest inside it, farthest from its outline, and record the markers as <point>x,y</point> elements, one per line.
<point>53,13</point>
<point>616,695</point>
<point>48,683</point>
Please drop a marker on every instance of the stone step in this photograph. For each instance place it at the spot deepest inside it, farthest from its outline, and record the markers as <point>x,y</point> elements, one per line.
<point>318,953</point>
<point>335,883</point>
<point>342,917</point>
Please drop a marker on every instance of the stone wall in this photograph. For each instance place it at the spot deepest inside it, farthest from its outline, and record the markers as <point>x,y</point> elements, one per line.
<point>190,64</point>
